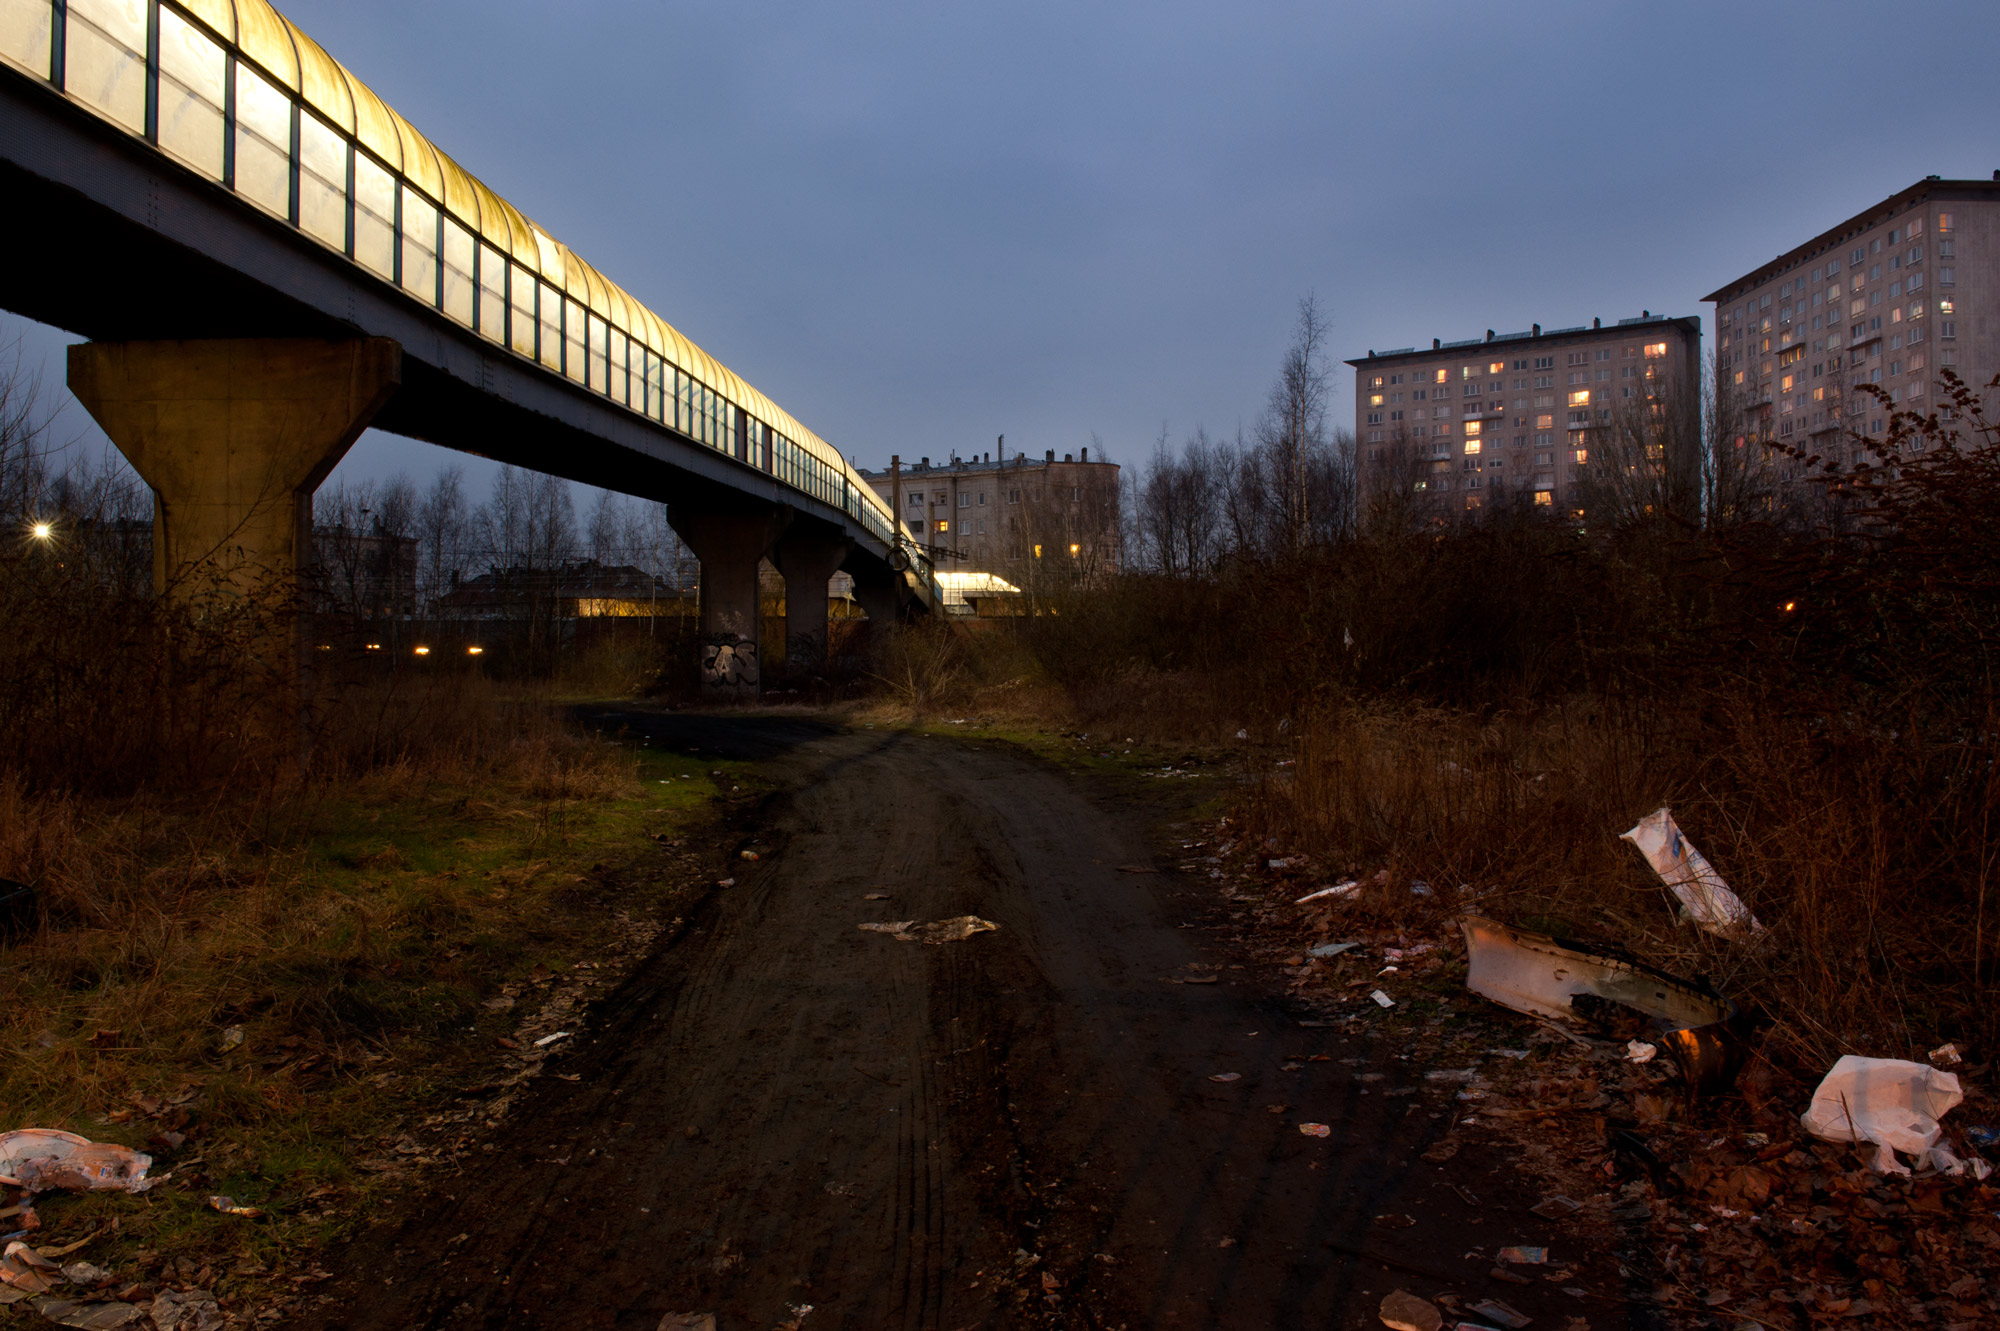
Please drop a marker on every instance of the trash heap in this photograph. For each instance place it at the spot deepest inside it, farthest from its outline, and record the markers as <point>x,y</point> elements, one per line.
<point>1643,1103</point>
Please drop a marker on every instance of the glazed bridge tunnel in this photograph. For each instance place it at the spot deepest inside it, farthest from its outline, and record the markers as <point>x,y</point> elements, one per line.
<point>268,260</point>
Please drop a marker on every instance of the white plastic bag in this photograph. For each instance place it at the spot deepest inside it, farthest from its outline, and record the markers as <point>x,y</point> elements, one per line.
<point>1894,1104</point>
<point>1704,897</point>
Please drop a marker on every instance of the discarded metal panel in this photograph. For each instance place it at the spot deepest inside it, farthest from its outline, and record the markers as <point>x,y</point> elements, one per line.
<point>1538,974</point>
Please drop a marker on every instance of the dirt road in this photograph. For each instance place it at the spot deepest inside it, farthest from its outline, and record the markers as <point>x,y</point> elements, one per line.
<point>1018,1129</point>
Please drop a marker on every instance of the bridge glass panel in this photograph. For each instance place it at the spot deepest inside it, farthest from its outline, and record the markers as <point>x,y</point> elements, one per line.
<point>521,295</point>
<point>263,142</point>
<point>575,363</point>
<point>104,59</point>
<point>374,216</point>
<point>322,182</point>
<point>550,343</point>
<point>458,288</point>
<point>193,74</point>
<point>25,29</point>
<point>621,379</point>
<point>492,293</point>
<point>420,246</point>
<point>600,355</point>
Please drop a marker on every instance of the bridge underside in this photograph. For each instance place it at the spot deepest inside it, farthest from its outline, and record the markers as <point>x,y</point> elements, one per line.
<point>115,243</point>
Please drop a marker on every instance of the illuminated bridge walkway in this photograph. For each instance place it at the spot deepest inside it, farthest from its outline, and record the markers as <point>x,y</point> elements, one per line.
<point>268,260</point>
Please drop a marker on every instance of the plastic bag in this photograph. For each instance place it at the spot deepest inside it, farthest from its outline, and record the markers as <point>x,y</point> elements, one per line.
<point>1894,1104</point>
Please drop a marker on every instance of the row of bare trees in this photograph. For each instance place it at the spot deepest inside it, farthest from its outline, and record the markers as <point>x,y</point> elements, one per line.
<point>1284,487</point>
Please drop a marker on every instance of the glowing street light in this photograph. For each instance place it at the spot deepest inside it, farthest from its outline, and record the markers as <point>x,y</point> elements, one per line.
<point>43,531</point>
<point>423,651</point>
<point>475,651</point>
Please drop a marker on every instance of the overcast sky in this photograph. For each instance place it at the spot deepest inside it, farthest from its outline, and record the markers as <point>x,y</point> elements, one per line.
<point>920,226</point>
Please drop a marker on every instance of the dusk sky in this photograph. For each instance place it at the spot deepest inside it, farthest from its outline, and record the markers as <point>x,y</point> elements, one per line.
<point>921,226</point>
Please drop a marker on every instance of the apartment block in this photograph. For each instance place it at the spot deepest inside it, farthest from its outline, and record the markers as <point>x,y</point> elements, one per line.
<point>1023,519</point>
<point>1509,417</point>
<point>1891,296</point>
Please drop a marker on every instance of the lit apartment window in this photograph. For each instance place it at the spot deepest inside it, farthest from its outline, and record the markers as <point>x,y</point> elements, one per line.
<point>1580,398</point>
<point>1376,382</point>
<point>1545,422</point>
<point>943,526</point>
<point>1944,223</point>
<point>1582,455</point>
<point>1472,448</point>
<point>1543,499</point>
<point>1473,428</point>
<point>1656,348</point>
<point>1374,399</point>
<point>1442,376</point>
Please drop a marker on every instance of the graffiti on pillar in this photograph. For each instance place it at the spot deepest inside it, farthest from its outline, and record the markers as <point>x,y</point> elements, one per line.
<point>729,663</point>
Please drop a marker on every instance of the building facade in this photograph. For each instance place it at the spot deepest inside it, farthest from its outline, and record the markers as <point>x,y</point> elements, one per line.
<point>1891,296</point>
<point>1512,417</point>
<point>1025,520</point>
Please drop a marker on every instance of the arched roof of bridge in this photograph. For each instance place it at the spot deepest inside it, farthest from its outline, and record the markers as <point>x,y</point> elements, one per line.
<point>285,52</point>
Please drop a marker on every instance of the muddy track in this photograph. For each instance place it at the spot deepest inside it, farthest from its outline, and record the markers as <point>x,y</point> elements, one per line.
<point>1019,1129</point>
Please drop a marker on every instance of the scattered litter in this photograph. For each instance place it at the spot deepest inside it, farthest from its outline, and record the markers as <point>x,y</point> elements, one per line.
<point>232,1036</point>
<point>1382,999</point>
<point>1983,1135</point>
<point>1243,734</point>
<point>500,1004</point>
<point>725,882</point>
<point>937,931</point>
<point>1523,1256</point>
<point>1502,1274</point>
<point>687,1322</point>
<point>1404,1311</point>
<point>1226,1076</point>
<point>1314,1129</point>
<point>1459,1076</point>
<point>1288,862</point>
<point>1342,889</point>
<point>1556,1207</point>
<point>1705,898</point>
<point>876,896</point>
<point>1947,1055</point>
<point>551,1038</point>
<point>1325,950</point>
<point>1495,1311</point>
<point>38,1159</point>
<point>1538,974</point>
<point>24,1268</point>
<point>228,1206</point>
<point>86,1273</point>
<point>1395,1220</point>
<point>1638,1051</point>
<point>1887,1101</point>
<point>189,1310</point>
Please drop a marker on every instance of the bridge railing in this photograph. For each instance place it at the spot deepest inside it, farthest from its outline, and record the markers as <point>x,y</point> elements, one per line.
<point>235,93</point>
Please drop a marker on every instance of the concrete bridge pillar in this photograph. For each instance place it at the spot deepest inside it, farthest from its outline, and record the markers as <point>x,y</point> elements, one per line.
<point>729,543</point>
<point>234,436</point>
<point>879,591</point>
<point>808,557</point>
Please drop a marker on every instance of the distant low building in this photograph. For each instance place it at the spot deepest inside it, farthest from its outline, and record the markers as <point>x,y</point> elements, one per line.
<point>574,589</point>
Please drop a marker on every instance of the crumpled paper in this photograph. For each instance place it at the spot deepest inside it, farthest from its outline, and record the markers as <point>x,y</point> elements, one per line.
<point>1704,897</point>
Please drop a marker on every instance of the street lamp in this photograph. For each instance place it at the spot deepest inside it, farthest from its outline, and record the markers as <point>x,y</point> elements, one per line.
<point>43,531</point>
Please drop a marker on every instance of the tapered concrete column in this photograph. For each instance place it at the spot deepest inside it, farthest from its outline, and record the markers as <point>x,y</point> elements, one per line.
<point>729,543</point>
<point>808,558</point>
<point>234,436</point>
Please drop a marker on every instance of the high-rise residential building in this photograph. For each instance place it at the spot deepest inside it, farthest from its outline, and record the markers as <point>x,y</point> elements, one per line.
<point>1030,521</point>
<point>1891,296</point>
<point>1511,417</point>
